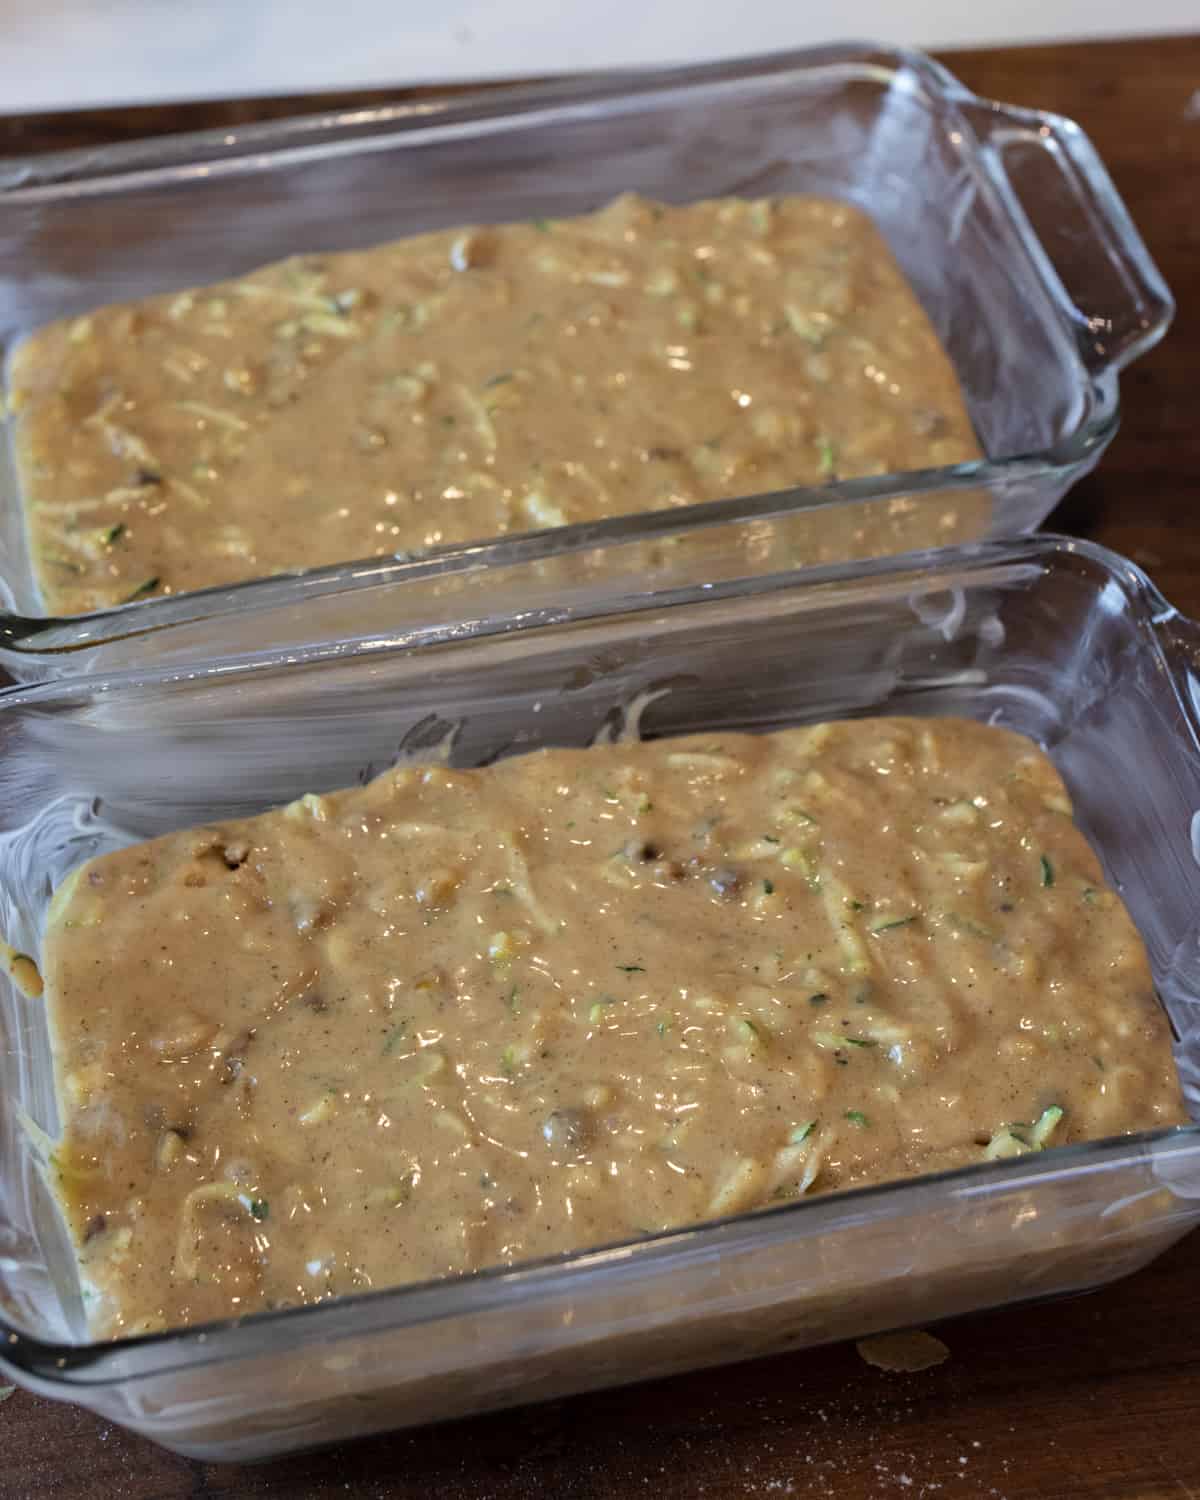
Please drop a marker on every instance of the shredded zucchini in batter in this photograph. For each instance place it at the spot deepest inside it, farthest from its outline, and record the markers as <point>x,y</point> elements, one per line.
<point>459,1018</point>
<point>459,385</point>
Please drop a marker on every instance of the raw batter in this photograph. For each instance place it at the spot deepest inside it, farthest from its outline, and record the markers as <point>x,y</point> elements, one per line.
<point>459,385</point>
<point>459,1018</point>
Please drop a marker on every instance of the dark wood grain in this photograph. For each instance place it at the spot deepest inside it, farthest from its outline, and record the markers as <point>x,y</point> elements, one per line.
<point>1093,1397</point>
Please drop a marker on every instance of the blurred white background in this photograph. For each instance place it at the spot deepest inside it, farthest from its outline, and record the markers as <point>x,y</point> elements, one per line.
<point>60,53</point>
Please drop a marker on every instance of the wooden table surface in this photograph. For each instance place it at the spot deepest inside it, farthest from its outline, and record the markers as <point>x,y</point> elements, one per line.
<point>1094,1396</point>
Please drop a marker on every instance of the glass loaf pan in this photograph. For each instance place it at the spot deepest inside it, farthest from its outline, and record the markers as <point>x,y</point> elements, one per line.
<point>1061,640</point>
<point>1004,220</point>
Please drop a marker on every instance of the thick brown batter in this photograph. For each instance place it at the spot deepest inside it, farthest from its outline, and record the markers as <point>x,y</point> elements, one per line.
<point>459,1018</point>
<point>455,386</point>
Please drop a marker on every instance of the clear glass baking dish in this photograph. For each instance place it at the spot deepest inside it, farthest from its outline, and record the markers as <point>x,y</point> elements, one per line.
<point>1061,640</point>
<point>1004,220</point>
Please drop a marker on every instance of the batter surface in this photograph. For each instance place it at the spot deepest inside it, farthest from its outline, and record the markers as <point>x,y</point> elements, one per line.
<point>459,1018</point>
<point>459,385</point>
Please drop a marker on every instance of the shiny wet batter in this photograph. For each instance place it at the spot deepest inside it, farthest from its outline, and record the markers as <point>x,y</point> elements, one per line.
<point>460,1018</point>
<point>464,384</point>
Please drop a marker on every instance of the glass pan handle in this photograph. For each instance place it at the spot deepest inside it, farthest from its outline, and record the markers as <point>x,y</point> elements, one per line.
<point>1091,257</point>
